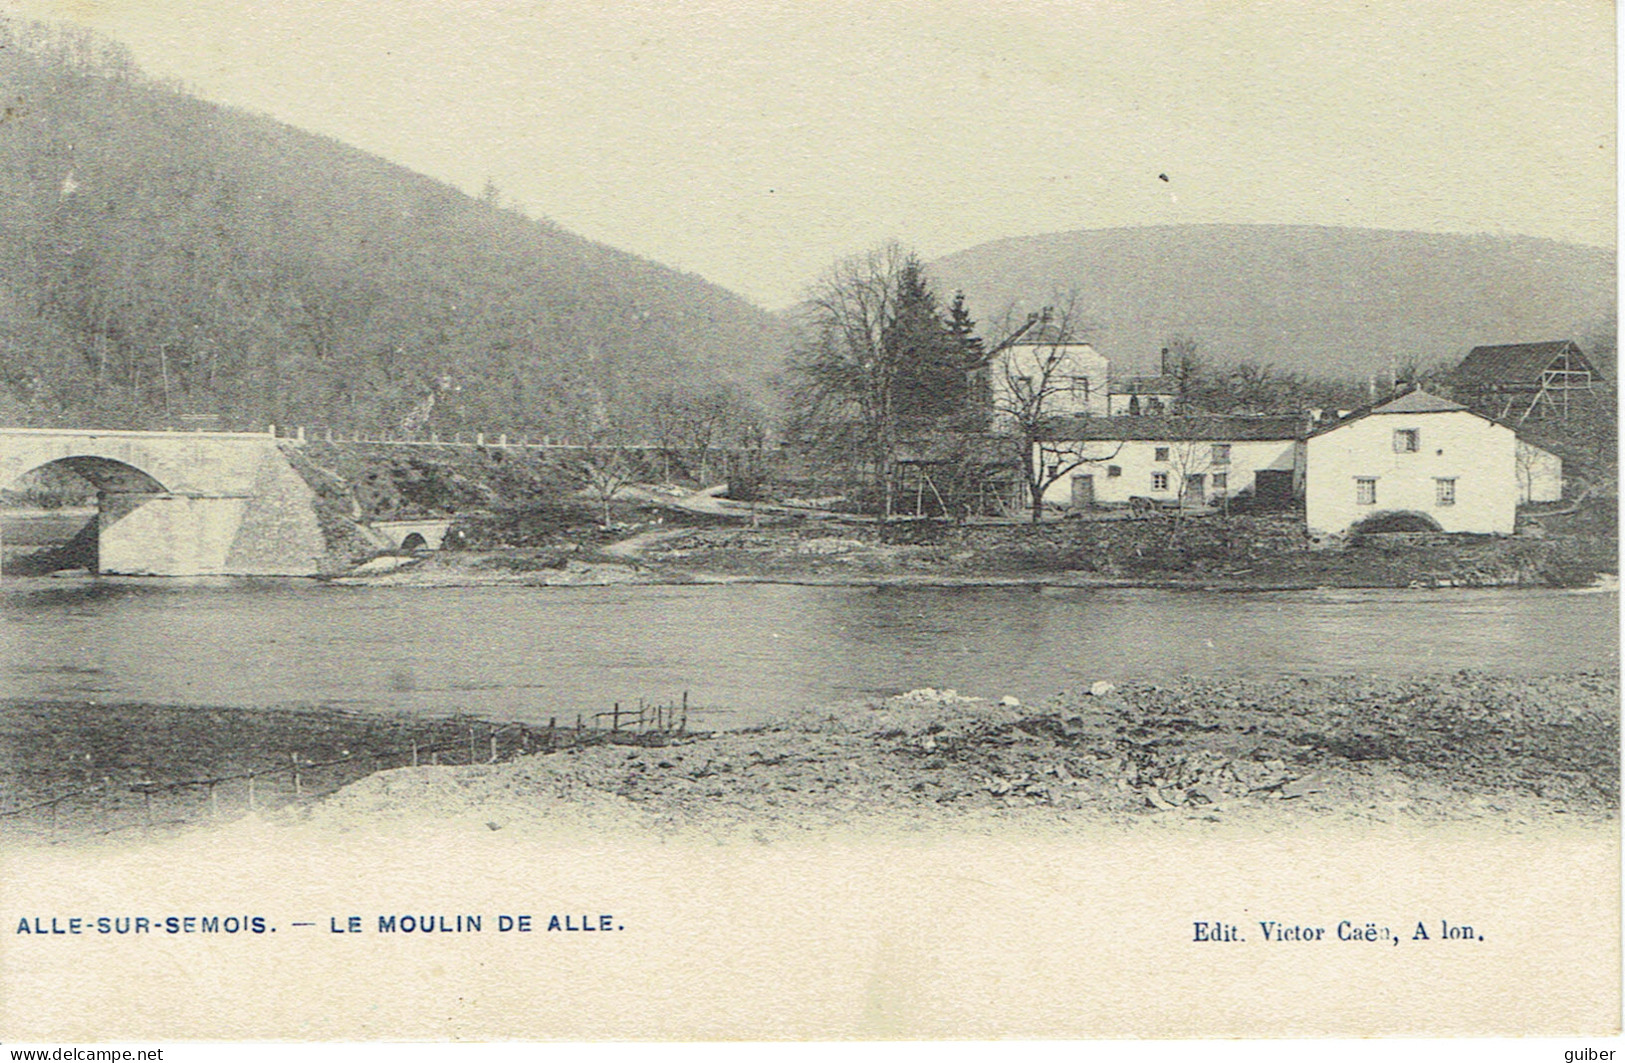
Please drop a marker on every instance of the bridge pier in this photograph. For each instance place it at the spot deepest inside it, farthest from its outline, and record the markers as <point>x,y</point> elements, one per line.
<point>166,535</point>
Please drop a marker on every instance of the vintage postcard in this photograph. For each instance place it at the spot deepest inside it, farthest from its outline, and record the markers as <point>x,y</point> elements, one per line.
<point>808,521</point>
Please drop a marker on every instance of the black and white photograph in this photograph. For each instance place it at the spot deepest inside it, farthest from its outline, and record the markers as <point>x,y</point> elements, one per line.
<point>797,521</point>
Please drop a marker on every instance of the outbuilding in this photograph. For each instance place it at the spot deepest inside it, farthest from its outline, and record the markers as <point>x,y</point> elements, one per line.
<point>1527,381</point>
<point>1141,396</point>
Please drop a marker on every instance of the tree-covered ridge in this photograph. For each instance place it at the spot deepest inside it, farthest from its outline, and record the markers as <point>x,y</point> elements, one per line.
<point>1314,300</point>
<point>161,256</point>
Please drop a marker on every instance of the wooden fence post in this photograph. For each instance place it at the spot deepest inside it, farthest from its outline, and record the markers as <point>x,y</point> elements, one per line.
<point>298,784</point>
<point>493,747</point>
<point>414,754</point>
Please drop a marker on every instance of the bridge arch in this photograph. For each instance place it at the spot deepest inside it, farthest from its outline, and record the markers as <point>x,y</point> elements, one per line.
<point>107,475</point>
<point>115,462</point>
<point>183,503</point>
<point>120,488</point>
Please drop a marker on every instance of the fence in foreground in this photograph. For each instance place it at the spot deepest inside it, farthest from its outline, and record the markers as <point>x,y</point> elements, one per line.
<point>114,805</point>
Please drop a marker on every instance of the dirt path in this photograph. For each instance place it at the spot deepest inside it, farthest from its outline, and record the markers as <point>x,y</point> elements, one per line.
<point>703,502</point>
<point>630,548</point>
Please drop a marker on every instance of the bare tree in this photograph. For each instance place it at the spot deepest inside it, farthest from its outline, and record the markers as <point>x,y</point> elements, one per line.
<point>1189,459</point>
<point>1182,362</point>
<point>1027,392</point>
<point>709,415</point>
<point>687,423</point>
<point>607,473</point>
<point>664,419</point>
<point>1051,461</point>
<point>870,340</point>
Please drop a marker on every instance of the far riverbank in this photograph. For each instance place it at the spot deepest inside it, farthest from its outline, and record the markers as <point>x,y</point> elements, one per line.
<point>1209,552</point>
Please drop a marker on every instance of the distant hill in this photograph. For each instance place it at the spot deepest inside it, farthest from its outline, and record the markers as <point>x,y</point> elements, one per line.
<point>1322,301</point>
<point>162,256</point>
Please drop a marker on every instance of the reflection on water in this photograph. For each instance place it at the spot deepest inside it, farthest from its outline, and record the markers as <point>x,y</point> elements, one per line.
<point>531,653</point>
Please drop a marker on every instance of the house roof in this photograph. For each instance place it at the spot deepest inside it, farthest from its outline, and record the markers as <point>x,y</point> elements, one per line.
<point>1515,362</point>
<point>1416,401</point>
<point>1048,336</point>
<point>1146,385</point>
<point>1217,428</point>
<point>1410,402</point>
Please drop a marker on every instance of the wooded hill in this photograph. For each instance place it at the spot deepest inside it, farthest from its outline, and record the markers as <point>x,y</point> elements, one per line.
<point>1324,302</point>
<point>162,256</point>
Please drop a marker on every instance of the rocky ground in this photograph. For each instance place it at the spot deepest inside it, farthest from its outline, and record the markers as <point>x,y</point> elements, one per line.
<point>1212,551</point>
<point>1208,550</point>
<point>1516,752</point>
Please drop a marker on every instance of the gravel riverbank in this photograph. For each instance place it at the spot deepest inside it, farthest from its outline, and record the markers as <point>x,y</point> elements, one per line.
<point>1520,753</point>
<point>1523,753</point>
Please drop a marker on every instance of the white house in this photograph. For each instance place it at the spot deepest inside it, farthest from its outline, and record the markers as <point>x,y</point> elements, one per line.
<point>1414,454</point>
<point>1196,461</point>
<point>1050,371</point>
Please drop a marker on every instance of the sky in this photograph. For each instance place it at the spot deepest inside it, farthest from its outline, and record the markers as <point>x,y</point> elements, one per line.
<point>756,142</point>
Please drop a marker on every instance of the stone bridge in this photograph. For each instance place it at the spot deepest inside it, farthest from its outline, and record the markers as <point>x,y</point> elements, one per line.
<point>183,503</point>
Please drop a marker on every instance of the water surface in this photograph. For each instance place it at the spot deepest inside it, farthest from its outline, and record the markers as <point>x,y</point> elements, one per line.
<point>529,653</point>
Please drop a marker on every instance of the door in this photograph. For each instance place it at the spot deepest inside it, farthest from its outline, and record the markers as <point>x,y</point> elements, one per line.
<point>1195,490</point>
<point>1083,492</point>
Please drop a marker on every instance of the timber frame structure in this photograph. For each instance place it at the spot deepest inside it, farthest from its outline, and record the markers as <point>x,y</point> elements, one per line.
<point>1527,381</point>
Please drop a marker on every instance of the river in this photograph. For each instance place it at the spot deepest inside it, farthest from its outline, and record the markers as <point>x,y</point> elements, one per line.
<point>751,649</point>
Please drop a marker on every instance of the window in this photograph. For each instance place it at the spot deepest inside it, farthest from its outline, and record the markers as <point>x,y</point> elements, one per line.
<point>1162,453</point>
<point>1024,387</point>
<point>1365,490</point>
<point>1080,387</point>
<point>1407,440</point>
<point>1055,472</point>
<point>1114,470</point>
<point>1159,481</point>
<point>1221,481</point>
<point>1221,453</point>
<point>1444,491</point>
